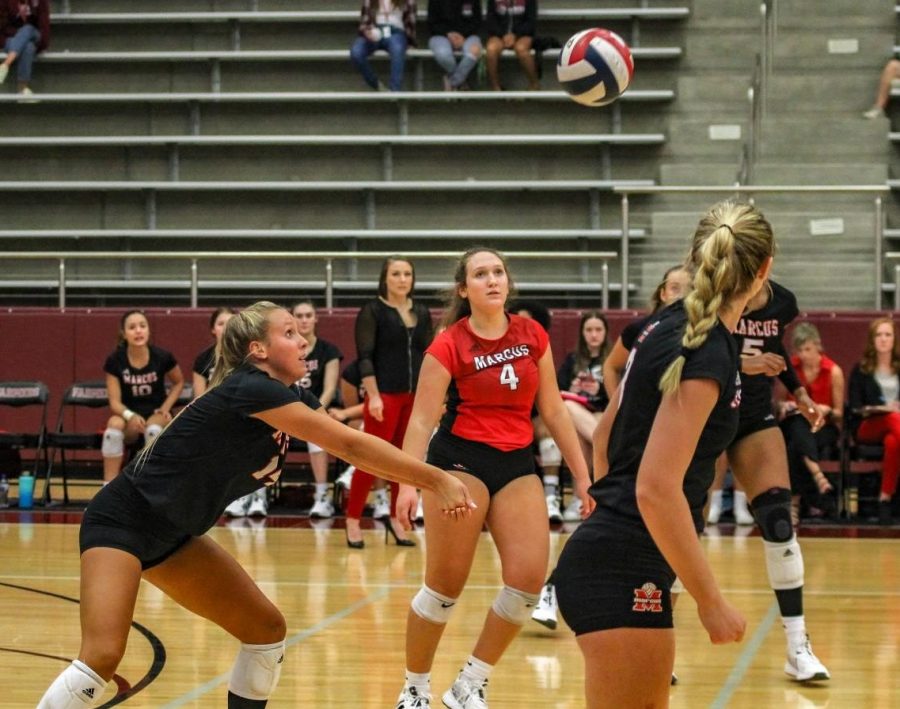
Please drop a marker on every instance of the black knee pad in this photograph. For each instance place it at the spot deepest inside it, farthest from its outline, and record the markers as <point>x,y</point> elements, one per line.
<point>772,510</point>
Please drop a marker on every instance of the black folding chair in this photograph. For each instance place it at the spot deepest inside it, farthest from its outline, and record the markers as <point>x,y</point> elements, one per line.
<point>88,394</point>
<point>19,394</point>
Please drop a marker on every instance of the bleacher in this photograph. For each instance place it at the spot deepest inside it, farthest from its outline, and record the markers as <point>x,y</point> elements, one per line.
<point>247,120</point>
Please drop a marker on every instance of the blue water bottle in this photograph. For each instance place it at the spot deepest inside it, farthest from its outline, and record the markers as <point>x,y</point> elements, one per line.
<point>26,491</point>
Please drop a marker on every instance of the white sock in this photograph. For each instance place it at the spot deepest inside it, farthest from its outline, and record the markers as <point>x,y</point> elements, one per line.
<point>551,484</point>
<point>476,671</point>
<point>795,629</point>
<point>420,680</point>
<point>321,489</point>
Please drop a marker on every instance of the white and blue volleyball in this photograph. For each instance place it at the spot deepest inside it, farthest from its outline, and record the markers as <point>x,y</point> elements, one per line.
<point>595,67</point>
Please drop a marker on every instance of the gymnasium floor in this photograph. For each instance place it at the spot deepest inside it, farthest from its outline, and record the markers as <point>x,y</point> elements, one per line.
<point>346,611</point>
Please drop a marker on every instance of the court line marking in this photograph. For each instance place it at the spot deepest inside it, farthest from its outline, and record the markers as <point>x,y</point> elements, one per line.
<point>746,657</point>
<point>380,585</point>
<point>289,642</point>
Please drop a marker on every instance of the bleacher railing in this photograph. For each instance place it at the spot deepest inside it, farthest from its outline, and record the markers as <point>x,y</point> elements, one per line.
<point>747,191</point>
<point>194,259</point>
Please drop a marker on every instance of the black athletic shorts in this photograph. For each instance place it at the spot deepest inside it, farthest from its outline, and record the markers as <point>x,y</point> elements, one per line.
<point>119,517</point>
<point>753,421</point>
<point>609,577</point>
<point>494,467</point>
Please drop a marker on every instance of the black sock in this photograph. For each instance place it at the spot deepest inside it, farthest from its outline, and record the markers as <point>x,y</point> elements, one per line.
<point>236,702</point>
<point>790,602</point>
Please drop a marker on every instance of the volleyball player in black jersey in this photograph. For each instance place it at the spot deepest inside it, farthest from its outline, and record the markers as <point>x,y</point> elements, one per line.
<point>654,454</point>
<point>151,521</point>
<point>758,460</point>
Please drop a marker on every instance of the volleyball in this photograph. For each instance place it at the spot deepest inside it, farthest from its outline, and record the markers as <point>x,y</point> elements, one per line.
<point>595,67</point>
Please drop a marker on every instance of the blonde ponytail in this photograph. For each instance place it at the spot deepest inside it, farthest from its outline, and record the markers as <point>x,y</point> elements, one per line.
<point>730,245</point>
<point>250,324</point>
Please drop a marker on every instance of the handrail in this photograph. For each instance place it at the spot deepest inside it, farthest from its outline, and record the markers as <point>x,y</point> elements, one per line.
<point>878,190</point>
<point>328,257</point>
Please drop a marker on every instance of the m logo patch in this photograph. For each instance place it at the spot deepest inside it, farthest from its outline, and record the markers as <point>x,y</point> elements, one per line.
<point>647,599</point>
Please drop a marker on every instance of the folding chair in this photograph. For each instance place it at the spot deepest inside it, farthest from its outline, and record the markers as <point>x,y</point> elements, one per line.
<point>858,459</point>
<point>19,394</point>
<point>87,394</point>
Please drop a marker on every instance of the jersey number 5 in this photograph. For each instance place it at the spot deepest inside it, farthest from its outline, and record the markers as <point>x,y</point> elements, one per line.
<point>508,377</point>
<point>752,347</point>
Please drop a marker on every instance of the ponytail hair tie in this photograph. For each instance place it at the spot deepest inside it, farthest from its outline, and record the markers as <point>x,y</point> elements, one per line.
<point>727,226</point>
<point>686,351</point>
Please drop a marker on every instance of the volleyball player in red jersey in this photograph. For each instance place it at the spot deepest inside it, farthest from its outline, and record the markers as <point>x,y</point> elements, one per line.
<point>491,367</point>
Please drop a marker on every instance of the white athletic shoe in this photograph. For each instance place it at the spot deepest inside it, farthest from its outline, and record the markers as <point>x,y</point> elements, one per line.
<point>803,665</point>
<point>259,504</point>
<point>322,508</point>
<point>874,112</point>
<point>4,72</point>
<point>742,513</point>
<point>545,611</point>
<point>573,511</point>
<point>420,511</point>
<point>345,478</point>
<point>411,699</point>
<point>382,507</point>
<point>238,508</point>
<point>465,695</point>
<point>553,512</point>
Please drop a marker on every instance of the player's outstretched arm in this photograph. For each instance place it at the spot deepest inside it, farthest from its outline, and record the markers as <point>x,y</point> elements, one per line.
<point>369,453</point>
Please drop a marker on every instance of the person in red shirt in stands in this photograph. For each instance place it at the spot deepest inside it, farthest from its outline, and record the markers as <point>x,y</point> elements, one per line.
<point>491,367</point>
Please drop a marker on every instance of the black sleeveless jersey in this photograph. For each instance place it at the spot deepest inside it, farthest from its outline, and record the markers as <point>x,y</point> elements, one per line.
<point>658,344</point>
<point>214,452</point>
<point>761,331</point>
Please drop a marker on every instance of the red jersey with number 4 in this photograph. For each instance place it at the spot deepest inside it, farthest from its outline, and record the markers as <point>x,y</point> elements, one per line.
<point>494,382</point>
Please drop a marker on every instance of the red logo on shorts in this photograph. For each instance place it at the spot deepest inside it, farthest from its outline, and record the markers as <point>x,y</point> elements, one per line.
<point>647,599</point>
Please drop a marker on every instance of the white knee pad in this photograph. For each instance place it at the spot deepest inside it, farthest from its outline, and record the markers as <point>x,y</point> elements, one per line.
<point>153,430</point>
<point>784,562</point>
<point>549,452</point>
<point>77,687</point>
<point>514,606</point>
<point>113,445</point>
<point>677,586</point>
<point>256,670</point>
<point>432,606</point>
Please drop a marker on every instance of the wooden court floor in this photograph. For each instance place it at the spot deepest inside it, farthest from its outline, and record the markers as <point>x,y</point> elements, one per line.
<point>346,611</point>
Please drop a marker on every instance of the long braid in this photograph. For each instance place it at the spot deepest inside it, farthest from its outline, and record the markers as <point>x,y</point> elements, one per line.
<point>730,245</point>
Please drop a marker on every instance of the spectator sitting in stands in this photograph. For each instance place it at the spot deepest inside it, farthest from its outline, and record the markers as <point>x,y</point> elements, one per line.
<point>25,31</point>
<point>136,374</point>
<point>824,380</point>
<point>874,392</point>
<point>389,25</point>
<point>454,25</point>
<point>580,380</point>
<point>511,25</point>
<point>890,73</point>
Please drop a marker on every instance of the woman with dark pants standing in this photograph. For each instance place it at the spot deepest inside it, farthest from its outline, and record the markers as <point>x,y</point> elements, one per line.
<point>392,332</point>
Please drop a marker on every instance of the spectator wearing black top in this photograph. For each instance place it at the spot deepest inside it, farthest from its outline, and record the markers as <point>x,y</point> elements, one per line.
<point>151,521</point>
<point>392,332</point>
<point>202,370</point>
<point>511,25</point>
<point>874,392</point>
<point>654,455</point>
<point>136,374</point>
<point>25,32</point>
<point>580,378</point>
<point>455,26</point>
<point>321,379</point>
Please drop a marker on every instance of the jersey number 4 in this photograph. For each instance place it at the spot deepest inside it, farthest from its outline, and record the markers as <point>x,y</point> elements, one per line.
<point>508,377</point>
